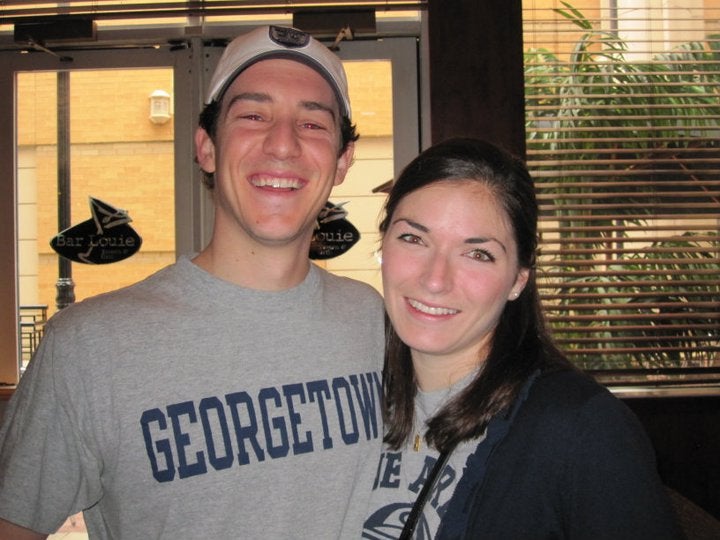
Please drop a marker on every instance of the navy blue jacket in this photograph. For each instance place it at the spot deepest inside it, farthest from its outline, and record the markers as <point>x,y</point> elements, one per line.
<point>573,463</point>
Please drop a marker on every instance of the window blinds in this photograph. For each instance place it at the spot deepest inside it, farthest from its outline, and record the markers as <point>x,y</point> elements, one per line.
<point>623,140</point>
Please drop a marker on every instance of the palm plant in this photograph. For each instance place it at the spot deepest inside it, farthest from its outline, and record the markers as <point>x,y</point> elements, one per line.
<point>665,109</point>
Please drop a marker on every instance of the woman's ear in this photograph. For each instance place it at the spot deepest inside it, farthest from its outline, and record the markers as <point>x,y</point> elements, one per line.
<point>520,282</point>
<point>204,150</point>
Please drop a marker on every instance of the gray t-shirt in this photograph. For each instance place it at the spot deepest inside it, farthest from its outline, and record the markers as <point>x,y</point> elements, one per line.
<point>187,407</point>
<point>401,475</point>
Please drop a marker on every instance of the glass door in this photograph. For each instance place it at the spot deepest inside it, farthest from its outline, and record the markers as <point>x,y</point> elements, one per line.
<point>93,145</point>
<point>107,137</point>
<point>91,138</point>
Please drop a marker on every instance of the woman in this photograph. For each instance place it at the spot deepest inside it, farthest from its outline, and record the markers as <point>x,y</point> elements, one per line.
<point>534,448</point>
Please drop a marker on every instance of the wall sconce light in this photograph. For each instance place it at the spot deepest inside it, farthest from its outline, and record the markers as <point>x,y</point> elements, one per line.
<point>159,107</point>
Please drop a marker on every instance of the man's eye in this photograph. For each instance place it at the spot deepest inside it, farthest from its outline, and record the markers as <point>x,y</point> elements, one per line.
<point>250,116</point>
<point>313,126</point>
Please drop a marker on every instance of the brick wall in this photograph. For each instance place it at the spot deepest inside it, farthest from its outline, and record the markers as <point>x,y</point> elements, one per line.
<point>118,156</point>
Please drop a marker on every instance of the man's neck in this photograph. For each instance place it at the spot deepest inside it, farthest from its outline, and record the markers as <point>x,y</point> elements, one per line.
<point>257,267</point>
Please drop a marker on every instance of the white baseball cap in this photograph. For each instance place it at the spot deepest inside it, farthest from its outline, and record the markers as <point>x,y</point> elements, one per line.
<point>279,42</point>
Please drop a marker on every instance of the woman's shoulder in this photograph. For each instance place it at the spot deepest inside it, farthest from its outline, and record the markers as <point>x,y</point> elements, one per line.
<point>568,384</point>
<point>570,392</point>
<point>577,420</point>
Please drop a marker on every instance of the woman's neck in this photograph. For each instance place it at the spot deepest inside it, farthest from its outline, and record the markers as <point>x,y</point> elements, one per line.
<point>438,372</point>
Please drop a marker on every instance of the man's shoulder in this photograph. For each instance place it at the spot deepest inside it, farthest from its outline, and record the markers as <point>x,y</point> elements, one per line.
<point>349,288</point>
<point>129,298</point>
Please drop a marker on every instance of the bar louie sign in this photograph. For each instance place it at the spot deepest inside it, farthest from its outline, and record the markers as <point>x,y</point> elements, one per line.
<point>334,235</point>
<point>104,238</point>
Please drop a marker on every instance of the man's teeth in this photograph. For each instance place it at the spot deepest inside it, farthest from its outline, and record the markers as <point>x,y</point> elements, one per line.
<point>431,310</point>
<point>277,183</point>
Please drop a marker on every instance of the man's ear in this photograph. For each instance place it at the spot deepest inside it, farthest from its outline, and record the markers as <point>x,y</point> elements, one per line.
<point>344,162</point>
<point>204,150</point>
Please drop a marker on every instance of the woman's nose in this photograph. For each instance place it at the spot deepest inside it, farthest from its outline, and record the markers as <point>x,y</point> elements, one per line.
<point>437,274</point>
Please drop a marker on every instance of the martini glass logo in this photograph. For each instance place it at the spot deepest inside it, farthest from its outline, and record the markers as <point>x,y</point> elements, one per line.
<point>104,238</point>
<point>334,235</point>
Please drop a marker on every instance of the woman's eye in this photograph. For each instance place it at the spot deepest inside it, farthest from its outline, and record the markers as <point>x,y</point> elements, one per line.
<point>409,238</point>
<point>481,255</point>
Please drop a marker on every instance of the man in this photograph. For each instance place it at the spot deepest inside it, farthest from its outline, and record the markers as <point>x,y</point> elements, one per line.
<point>234,395</point>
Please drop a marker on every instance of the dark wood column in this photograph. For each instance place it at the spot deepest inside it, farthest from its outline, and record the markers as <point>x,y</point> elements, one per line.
<point>476,71</point>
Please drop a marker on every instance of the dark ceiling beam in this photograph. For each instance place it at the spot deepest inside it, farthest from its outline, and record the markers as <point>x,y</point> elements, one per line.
<point>16,12</point>
<point>476,71</point>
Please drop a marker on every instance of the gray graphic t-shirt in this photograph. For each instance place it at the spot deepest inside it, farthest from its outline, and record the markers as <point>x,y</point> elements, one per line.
<point>401,475</point>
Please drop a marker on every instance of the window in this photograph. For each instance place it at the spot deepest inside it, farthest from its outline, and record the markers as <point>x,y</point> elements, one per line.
<point>623,139</point>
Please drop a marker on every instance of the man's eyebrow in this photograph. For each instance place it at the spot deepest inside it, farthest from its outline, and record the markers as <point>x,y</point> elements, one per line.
<point>262,97</point>
<point>250,96</point>
<point>318,106</point>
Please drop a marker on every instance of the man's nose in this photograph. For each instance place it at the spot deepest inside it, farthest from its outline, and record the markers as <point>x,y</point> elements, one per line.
<point>282,140</point>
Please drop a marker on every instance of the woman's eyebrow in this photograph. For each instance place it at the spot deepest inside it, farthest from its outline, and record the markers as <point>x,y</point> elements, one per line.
<point>413,224</point>
<point>485,240</point>
<point>472,240</point>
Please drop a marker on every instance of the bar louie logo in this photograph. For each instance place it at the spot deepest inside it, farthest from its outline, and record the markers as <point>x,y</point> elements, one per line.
<point>104,238</point>
<point>334,235</point>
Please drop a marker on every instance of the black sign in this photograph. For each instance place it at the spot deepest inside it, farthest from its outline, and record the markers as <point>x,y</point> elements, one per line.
<point>334,235</point>
<point>105,238</point>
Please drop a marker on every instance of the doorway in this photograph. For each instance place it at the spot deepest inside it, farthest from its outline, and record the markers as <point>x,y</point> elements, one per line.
<point>129,152</point>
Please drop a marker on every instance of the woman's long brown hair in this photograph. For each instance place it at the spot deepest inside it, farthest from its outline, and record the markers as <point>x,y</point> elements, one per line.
<point>521,343</point>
